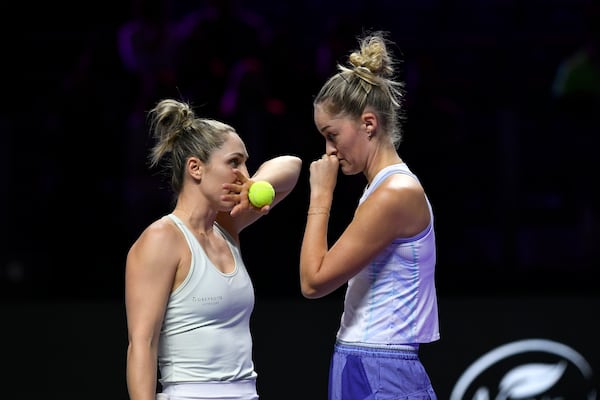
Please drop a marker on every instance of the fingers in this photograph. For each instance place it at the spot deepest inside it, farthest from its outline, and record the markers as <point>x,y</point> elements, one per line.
<point>242,183</point>
<point>240,208</point>
<point>331,157</point>
<point>238,195</point>
<point>241,177</point>
<point>326,158</point>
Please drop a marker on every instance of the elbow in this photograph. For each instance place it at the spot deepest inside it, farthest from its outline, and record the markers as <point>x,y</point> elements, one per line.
<point>296,164</point>
<point>310,291</point>
<point>289,173</point>
<point>313,283</point>
<point>294,160</point>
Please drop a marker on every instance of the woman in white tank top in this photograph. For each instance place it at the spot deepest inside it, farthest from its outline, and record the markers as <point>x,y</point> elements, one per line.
<point>188,295</point>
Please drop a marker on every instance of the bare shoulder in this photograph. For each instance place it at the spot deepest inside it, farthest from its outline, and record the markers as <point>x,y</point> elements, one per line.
<point>163,228</point>
<point>157,236</point>
<point>400,198</point>
<point>400,187</point>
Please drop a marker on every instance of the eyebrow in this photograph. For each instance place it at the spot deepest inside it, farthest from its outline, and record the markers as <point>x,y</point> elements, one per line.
<point>238,154</point>
<point>323,129</point>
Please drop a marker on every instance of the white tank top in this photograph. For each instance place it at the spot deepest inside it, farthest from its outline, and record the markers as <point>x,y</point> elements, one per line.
<point>205,335</point>
<point>393,300</point>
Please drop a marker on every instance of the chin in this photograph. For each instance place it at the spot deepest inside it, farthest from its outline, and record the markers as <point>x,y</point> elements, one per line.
<point>348,171</point>
<point>227,206</point>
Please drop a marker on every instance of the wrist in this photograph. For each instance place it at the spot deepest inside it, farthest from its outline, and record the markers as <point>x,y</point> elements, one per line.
<point>318,211</point>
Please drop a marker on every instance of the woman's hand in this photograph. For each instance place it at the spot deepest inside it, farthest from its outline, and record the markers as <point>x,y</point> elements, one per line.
<point>323,174</point>
<point>238,193</point>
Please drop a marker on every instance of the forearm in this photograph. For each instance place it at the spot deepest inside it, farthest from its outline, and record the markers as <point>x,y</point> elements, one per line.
<point>141,376</point>
<point>282,172</point>
<point>314,248</point>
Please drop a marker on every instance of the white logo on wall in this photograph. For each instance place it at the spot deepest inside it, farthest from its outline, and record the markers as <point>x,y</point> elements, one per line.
<point>527,369</point>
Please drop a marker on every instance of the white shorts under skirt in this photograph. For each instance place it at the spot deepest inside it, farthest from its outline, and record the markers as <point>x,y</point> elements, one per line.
<point>242,390</point>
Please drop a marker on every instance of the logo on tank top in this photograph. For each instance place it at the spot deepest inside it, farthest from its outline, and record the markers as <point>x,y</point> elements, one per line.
<point>207,300</point>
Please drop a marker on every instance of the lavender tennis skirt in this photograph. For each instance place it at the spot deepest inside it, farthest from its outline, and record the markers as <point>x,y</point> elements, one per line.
<point>365,373</point>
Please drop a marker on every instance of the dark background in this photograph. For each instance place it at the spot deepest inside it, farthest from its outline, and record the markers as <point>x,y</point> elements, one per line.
<point>508,165</point>
<point>508,162</point>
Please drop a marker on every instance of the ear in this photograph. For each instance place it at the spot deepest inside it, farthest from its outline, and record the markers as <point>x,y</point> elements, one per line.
<point>195,167</point>
<point>369,120</point>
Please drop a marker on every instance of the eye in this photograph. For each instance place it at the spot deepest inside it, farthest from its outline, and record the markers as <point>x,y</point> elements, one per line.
<point>236,162</point>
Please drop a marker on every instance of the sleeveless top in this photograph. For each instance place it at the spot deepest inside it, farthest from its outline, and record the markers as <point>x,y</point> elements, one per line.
<point>393,300</point>
<point>205,336</point>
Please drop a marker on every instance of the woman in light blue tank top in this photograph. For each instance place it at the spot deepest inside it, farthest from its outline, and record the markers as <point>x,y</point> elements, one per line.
<point>387,254</point>
<point>188,295</point>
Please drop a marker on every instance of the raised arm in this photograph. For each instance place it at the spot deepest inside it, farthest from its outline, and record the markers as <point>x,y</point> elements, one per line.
<point>281,172</point>
<point>396,209</point>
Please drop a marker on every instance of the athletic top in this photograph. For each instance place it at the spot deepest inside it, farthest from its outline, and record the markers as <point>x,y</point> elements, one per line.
<point>205,336</point>
<point>393,300</point>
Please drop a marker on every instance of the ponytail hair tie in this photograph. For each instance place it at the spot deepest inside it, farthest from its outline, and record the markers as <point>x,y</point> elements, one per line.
<point>366,78</point>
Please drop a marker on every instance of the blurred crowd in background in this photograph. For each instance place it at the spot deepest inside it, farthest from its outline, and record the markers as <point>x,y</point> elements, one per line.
<point>502,124</point>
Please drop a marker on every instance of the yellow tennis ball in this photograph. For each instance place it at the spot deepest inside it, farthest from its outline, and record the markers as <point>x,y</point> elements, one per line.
<point>261,193</point>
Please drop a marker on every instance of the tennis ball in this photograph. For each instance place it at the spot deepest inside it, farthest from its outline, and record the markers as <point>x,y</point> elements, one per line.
<point>261,193</point>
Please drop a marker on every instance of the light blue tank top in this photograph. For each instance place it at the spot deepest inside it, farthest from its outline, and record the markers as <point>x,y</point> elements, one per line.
<point>205,335</point>
<point>393,300</point>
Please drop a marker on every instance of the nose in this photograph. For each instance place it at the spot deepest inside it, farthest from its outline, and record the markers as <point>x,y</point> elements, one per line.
<point>243,166</point>
<point>330,149</point>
